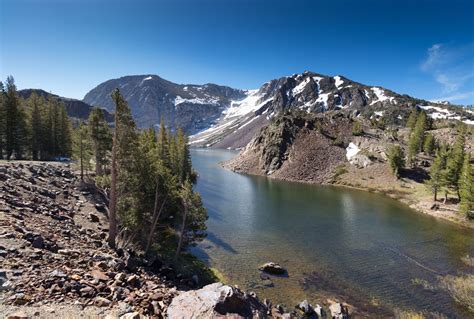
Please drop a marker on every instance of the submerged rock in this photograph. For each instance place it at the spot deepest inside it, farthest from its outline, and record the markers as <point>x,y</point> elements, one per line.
<point>216,300</point>
<point>272,268</point>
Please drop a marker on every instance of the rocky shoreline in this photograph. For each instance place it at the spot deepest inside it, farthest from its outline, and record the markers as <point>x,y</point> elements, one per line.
<point>56,263</point>
<point>317,149</point>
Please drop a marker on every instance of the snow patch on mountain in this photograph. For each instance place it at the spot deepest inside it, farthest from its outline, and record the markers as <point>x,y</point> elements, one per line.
<point>439,113</point>
<point>351,151</point>
<point>380,93</point>
<point>245,106</point>
<point>338,80</point>
<point>179,100</point>
<point>300,87</point>
<point>323,98</point>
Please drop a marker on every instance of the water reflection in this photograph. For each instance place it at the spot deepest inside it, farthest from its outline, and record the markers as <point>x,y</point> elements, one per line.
<point>367,245</point>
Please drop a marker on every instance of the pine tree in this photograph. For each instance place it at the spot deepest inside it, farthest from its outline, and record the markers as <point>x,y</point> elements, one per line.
<point>429,144</point>
<point>466,187</point>
<point>455,160</point>
<point>417,135</point>
<point>64,132</point>
<point>163,144</point>
<point>2,118</point>
<point>101,138</point>
<point>193,217</point>
<point>82,150</point>
<point>396,159</point>
<point>412,119</point>
<point>123,149</point>
<point>36,127</point>
<point>15,124</point>
<point>437,172</point>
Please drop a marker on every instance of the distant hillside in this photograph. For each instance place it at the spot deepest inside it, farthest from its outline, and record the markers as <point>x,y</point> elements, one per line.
<point>191,107</point>
<point>75,108</point>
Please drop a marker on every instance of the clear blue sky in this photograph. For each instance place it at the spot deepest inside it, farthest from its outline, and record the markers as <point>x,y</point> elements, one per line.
<point>422,48</point>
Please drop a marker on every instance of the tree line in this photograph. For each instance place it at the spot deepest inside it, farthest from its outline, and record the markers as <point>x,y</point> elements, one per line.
<point>148,177</point>
<point>36,128</point>
<point>451,169</point>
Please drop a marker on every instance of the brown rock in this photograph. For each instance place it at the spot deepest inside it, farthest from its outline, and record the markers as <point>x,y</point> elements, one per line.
<point>94,218</point>
<point>99,275</point>
<point>18,315</point>
<point>133,281</point>
<point>102,302</point>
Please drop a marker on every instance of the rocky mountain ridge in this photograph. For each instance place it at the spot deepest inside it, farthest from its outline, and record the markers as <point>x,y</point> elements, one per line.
<point>75,109</point>
<point>311,93</point>
<point>223,117</point>
<point>191,107</point>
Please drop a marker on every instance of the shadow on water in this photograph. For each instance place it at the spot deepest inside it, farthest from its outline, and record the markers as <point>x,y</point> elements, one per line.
<point>220,243</point>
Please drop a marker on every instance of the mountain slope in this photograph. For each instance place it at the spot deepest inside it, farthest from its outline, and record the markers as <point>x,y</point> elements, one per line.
<point>312,93</point>
<point>191,107</point>
<point>74,108</point>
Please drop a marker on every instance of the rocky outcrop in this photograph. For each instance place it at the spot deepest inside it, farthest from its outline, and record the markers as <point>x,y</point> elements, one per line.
<point>297,146</point>
<point>216,300</point>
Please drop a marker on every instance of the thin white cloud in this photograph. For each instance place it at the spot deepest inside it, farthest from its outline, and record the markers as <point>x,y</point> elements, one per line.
<point>455,97</point>
<point>451,66</point>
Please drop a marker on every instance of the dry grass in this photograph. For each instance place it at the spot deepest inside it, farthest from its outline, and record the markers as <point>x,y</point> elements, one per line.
<point>409,315</point>
<point>461,288</point>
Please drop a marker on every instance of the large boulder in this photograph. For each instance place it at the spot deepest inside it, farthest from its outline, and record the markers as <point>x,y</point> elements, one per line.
<point>272,268</point>
<point>338,311</point>
<point>216,300</point>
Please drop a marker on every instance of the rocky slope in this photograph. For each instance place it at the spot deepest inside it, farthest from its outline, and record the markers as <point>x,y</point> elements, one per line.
<point>75,109</point>
<point>55,262</point>
<point>53,252</point>
<point>191,107</point>
<point>297,147</point>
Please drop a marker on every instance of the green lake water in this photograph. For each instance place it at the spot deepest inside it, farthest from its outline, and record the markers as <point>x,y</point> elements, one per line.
<point>365,248</point>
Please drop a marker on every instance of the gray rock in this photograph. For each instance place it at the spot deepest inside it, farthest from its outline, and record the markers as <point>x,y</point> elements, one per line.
<point>338,311</point>
<point>215,300</point>
<point>38,242</point>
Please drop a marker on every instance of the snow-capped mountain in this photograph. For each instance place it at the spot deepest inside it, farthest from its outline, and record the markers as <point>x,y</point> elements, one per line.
<point>224,117</point>
<point>191,107</point>
<point>308,91</point>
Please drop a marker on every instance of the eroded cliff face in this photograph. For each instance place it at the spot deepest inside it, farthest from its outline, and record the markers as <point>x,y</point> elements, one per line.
<point>297,146</point>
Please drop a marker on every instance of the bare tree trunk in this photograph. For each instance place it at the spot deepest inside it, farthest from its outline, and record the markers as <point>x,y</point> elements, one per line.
<point>435,194</point>
<point>113,192</point>
<point>156,217</point>
<point>81,156</point>
<point>97,165</point>
<point>180,243</point>
<point>445,197</point>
